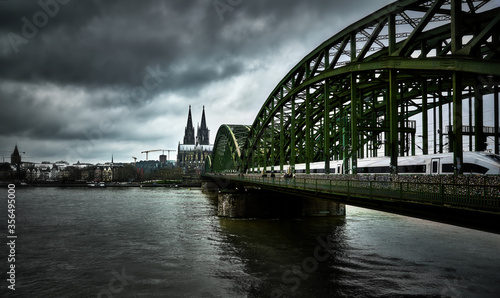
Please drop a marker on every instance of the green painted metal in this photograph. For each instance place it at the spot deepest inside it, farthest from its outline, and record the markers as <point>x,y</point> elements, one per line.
<point>228,145</point>
<point>456,137</point>
<point>425,119</point>
<point>496,117</point>
<point>354,124</point>
<point>293,134</point>
<point>355,95</point>
<point>393,120</point>
<point>282,140</point>
<point>308,141</point>
<point>478,117</point>
<point>208,164</point>
<point>440,111</point>
<point>326,127</point>
<point>479,193</point>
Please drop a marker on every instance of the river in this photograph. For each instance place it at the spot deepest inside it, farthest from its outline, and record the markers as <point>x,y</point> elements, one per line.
<point>168,242</point>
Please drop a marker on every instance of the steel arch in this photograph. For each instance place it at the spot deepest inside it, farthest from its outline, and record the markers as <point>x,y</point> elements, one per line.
<point>208,164</point>
<point>362,85</point>
<point>226,156</point>
<point>356,93</point>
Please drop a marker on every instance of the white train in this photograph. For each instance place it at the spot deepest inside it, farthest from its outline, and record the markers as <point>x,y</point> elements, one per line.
<point>478,163</point>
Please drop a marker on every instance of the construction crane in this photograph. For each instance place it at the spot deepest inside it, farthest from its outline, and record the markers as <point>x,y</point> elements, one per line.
<point>13,151</point>
<point>168,152</point>
<point>4,156</point>
<point>147,151</point>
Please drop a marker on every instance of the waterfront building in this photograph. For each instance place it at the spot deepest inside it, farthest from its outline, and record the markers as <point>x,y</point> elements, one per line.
<point>5,171</point>
<point>82,165</point>
<point>107,174</point>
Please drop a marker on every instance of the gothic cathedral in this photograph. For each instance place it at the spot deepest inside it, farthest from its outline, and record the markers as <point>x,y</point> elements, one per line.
<point>192,152</point>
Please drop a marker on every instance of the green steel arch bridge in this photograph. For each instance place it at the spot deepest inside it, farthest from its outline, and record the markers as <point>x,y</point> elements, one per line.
<point>362,92</point>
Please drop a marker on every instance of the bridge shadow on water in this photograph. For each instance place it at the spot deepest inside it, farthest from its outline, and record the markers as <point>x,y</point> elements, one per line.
<point>326,256</point>
<point>286,257</point>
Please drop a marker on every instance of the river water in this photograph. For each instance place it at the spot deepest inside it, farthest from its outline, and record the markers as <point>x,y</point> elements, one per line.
<point>160,242</point>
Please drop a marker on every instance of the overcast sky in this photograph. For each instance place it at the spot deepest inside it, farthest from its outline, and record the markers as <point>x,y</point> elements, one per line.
<point>84,80</point>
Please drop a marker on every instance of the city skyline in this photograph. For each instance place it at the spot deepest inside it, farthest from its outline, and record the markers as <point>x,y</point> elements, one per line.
<point>81,80</point>
<point>168,156</point>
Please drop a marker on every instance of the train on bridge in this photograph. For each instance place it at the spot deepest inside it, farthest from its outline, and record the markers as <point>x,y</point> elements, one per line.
<point>474,163</point>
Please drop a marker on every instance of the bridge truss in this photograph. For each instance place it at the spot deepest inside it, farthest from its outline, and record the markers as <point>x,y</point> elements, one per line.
<point>227,148</point>
<point>360,93</point>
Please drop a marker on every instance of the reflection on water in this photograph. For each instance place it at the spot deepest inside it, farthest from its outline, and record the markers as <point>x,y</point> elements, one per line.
<point>170,243</point>
<point>290,256</point>
<point>366,254</point>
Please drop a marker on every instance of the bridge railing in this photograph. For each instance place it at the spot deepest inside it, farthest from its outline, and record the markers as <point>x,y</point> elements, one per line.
<point>482,197</point>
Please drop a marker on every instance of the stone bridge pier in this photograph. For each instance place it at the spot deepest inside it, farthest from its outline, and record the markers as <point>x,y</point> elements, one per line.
<point>248,202</point>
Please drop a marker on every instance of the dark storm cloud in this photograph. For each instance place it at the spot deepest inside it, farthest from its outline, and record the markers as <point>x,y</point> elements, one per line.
<point>139,64</point>
<point>110,42</point>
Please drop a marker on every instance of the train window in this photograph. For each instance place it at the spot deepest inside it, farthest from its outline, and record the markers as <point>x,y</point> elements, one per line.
<point>332,170</point>
<point>384,169</point>
<point>412,169</point>
<point>467,168</point>
<point>473,168</point>
<point>447,168</point>
<point>494,157</point>
<point>374,170</point>
<point>434,166</point>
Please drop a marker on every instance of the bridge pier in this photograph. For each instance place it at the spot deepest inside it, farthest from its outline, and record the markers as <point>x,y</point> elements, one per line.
<point>256,203</point>
<point>210,186</point>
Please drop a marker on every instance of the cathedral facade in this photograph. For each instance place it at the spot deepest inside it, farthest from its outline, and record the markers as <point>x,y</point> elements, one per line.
<point>191,154</point>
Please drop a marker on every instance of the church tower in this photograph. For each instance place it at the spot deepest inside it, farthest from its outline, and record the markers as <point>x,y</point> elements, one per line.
<point>189,131</point>
<point>203,133</point>
<point>15,157</point>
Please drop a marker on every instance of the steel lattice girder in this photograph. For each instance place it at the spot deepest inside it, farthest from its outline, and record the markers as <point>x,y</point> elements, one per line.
<point>227,148</point>
<point>347,70</point>
<point>208,164</point>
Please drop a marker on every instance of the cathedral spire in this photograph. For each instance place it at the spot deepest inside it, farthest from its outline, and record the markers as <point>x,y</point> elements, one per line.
<point>203,121</point>
<point>190,119</point>
<point>203,134</point>
<point>189,131</point>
